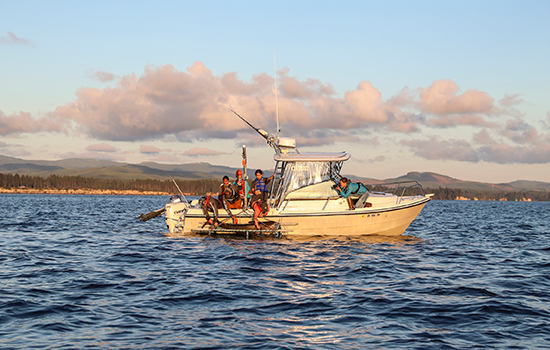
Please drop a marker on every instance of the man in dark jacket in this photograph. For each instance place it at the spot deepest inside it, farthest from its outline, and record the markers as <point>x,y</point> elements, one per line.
<point>212,204</point>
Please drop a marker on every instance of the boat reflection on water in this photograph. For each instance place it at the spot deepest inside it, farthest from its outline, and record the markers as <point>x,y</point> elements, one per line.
<point>336,239</point>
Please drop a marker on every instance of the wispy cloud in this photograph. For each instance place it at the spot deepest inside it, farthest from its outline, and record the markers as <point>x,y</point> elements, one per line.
<point>13,150</point>
<point>101,76</point>
<point>12,39</point>
<point>489,151</point>
<point>101,147</point>
<point>145,149</point>
<point>200,152</point>
<point>437,149</point>
<point>114,156</point>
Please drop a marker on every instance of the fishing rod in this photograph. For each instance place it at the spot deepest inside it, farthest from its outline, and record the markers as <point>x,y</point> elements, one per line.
<point>269,138</point>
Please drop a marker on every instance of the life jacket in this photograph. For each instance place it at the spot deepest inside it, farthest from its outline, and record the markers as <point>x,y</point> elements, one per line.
<point>261,185</point>
<point>204,201</point>
<point>359,187</point>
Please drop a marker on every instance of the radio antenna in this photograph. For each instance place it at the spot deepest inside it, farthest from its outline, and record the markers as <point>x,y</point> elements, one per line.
<point>276,105</point>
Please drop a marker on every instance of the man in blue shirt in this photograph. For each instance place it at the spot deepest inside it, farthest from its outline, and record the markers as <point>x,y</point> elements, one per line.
<point>347,188</point>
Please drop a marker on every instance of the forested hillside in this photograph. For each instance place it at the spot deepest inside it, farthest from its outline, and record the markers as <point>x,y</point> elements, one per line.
<point>202,186</point>
<point>194,187</point>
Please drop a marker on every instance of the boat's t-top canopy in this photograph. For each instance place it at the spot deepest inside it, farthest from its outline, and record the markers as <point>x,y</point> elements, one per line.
<point>294,171</point>
<point>312,157</point>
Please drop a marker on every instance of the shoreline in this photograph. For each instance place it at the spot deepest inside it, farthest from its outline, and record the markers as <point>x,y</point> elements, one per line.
<point>83,192</point>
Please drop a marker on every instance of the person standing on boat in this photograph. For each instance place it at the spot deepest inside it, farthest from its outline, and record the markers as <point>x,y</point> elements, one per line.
<point>259,198</point>
<point>212,204</point>
<point>244,187</point>
<point>259,186</point>
<point>347,188</point>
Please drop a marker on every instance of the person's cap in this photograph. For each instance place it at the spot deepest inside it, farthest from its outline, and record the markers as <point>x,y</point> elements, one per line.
<point>239,172</point>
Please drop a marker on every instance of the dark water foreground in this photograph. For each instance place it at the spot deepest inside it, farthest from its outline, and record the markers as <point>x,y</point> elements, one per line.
<point>82,272</point>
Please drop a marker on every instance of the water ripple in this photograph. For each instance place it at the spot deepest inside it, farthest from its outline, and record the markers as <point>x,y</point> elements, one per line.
<point>82,272</point>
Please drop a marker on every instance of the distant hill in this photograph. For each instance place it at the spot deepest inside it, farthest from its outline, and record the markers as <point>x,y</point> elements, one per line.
<point>105,169</point>
<point>433,180</point>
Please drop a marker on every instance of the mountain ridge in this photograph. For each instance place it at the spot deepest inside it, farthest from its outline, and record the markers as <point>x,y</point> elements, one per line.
<point>107,169</point>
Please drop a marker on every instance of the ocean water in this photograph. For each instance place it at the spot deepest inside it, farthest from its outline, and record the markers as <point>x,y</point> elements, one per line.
<point>81,272</point>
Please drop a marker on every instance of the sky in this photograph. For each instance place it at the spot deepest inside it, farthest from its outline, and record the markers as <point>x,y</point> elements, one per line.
<point>456,88</point>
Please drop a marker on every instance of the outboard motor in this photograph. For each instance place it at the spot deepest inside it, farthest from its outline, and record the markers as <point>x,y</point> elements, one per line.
<point>174,214</point>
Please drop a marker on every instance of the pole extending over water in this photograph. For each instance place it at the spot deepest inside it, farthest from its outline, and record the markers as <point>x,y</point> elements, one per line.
<point>276,93</point>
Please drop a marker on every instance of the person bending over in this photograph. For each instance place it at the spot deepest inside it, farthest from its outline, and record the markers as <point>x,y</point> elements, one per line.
<point>346,188</point>
<point>212,204</point>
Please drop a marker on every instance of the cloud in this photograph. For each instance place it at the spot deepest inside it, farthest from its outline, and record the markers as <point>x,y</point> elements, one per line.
<point>165,101</point>
<point>101,147</point>
<point>12,39</point>
<point>13,150</point>
<point>114,156</point>
<point>436,149</point>
<point>519,131</point>
<point>194,105</point>
<point>483,138</point>
<point>376,159</point>
<point>443,98</point>
<point>458,120</point>
<point>200,152</point>
<point>23,122</point>
<point>144,149</point>
<point>489,151</point>
<point>511,100</point>
<point>503,153</point>
<point>101,76</point>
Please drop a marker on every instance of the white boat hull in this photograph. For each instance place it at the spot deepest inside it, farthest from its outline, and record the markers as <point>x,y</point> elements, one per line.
<point>315,218</point>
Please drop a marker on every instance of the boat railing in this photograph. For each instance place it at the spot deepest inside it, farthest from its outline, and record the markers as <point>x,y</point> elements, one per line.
<point>287,200</point>
<point>400,189</point>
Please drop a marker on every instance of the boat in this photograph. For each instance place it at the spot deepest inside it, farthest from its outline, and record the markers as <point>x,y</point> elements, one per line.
<point>303,201</point>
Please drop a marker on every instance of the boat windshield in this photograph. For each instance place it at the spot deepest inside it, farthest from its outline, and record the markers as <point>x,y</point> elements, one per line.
<point>293,175</point>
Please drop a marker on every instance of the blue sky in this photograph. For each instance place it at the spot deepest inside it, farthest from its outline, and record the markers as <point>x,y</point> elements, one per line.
<point>459,89</point>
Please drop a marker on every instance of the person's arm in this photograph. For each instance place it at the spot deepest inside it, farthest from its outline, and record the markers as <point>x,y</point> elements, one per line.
<point>253,188</point>
<point>205,211</point>
<point>346,191</point>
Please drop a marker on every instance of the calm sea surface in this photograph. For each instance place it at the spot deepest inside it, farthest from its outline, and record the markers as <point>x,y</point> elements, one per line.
<point>82,272</point>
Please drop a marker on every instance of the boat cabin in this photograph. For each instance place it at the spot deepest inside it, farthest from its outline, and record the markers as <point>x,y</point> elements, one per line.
<point>305,176</point>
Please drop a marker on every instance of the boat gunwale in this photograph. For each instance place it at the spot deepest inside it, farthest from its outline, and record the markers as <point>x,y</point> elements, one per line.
<point>346,212</point>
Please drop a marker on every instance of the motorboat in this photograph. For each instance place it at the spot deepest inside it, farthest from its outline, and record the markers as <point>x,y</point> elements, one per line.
<point>303,201</point>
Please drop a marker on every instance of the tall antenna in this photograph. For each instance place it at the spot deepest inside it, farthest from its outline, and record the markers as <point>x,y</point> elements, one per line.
<point>276,105</point>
